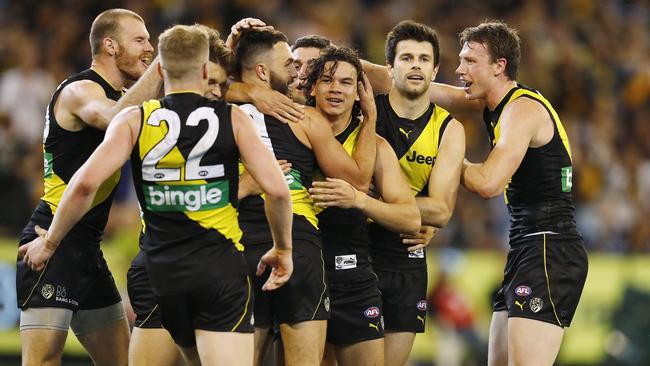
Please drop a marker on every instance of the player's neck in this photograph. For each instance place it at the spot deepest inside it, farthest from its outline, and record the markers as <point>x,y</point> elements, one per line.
<point>406,107</point>
<point>109,71</point>
<point>339,122</point>
<point>195,85</point>
<point>252,79</point>
<point>495,95</point>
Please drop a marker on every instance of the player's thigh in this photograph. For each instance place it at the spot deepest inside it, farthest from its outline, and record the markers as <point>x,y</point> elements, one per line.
<point>397,347</point>
<point>152,347</point>
<point>498,339</point>
<point>224,348</point>
<point>304,342</point>
<point>104,333</point>
<point>42,346</point>
<point>533,342</point>
<point>366,353</point>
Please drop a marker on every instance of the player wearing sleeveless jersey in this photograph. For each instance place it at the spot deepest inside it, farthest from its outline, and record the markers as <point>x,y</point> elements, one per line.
<point>76,288</point>
<point>430,146</point>
<point>355,330</point>
<point>530,163</point>
<point>301,307</point>
<point>185,150</point>
<point>150,343</point>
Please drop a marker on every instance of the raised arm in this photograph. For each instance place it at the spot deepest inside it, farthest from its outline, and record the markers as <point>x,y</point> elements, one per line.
<point>520,122</point>
<point>87,101</point>
<point>78,197</point>
<point>437,207</point>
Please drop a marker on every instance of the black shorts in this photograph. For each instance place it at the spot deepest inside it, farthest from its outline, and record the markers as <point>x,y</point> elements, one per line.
<point>304,297</point>
<point>356,313</point>
<point>76,277</point>
<point>223,306</point>
<point>403,297</point>
<point>543,279</point>
<point>143,301</point>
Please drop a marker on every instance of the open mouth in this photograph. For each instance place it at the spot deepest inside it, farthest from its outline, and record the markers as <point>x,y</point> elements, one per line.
<point>146,61</point>
<point>466,84</point>
<point>415,77</point>
<point>335,102</point>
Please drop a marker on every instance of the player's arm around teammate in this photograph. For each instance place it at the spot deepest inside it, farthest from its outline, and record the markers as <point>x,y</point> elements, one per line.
<point>396,210</point>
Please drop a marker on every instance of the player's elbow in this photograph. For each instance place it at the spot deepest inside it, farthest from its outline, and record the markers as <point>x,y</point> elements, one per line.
<point>278,192</point>
<point>489,191</point>
<point>84,187</point>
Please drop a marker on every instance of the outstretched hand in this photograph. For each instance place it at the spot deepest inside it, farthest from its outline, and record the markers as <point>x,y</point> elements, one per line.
<point>37,252</point>
<point>281,262</point>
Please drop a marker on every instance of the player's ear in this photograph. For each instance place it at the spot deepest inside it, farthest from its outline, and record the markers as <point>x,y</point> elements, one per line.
<point>500,66</point>
<point>110,45</point>
<point>435,72</point>
<point>262,72</point>
<point>159,70</point>
<point>389,68</point>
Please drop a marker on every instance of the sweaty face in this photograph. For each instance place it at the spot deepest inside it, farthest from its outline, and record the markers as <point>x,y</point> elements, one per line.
<point>335,92</point>
<point>476,70</point>
<point>281,70</point>
<point>134,52</point>
<point>301,58</point>
<point>217,77</point>
<point>413,67</point>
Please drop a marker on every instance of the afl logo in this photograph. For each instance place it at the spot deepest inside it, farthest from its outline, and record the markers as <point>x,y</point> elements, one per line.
<point>372,312</point>
<point>203,173</point>
<point>523,291</point>
<point>422,305</point>
<point>159,175</point>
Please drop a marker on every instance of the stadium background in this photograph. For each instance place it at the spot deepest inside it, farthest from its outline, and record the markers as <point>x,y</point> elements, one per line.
<point>591,59</point>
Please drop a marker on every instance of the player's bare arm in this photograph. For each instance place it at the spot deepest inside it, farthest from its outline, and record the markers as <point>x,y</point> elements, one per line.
<point>80,193</point>
<point>437,207</point>
<point>524,124</point>
<point>249,187</point>
<point>396,210</point>
<point>85,103</point>
<point>261,164</point>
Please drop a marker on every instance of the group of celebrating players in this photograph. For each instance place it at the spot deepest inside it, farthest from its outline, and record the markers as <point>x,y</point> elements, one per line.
<point>290,191</point>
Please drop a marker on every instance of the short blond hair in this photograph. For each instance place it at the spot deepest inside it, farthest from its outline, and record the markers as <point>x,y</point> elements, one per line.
<point>107,24</point>
<point>183,49</point>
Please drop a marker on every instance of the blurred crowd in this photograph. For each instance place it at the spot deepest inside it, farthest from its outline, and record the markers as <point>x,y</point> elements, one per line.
<point>591,59</point>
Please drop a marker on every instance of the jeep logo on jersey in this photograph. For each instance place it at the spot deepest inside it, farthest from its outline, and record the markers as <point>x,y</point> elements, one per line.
<point>523,291</point>
<point>197,197</point>
<point>420,159</point>
<point>372,312</point>
<point>422,305</point>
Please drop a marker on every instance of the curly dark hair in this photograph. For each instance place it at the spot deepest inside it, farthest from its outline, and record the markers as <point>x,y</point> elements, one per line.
<point>317,69</point>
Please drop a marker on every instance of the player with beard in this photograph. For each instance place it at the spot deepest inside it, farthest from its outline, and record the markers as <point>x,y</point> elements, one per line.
<point>355,331</point>
<point>76,289</point>
<point>185,150</point>
<point>301,307</point>
<point>430,145</point>
<point>304,50</point>
<point>150,343</point>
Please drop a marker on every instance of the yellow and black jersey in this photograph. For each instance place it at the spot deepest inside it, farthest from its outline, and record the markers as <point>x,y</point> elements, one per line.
<point>280,139</point>
<point>186,178</point>
<point>416,143</point>
<point>346,246</point>
<point>539,194</point>
<point>64,152</point>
